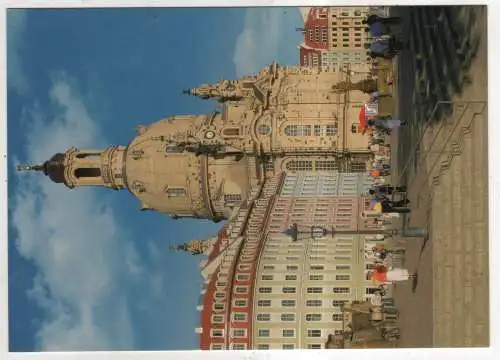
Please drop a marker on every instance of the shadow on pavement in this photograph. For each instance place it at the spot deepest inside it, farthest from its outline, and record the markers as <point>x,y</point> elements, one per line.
<point>434,68</point>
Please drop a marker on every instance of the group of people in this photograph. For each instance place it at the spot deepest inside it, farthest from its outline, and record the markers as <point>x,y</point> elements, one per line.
<point>385,43</point>
<point>382,273</point>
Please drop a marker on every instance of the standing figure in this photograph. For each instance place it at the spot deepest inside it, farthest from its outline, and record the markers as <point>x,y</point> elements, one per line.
<point>372,19</point>
<point>384,275</point>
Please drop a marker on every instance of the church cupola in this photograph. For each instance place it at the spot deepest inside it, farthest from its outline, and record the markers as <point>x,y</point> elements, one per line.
<point>85,168</point>
<point>53,168</point>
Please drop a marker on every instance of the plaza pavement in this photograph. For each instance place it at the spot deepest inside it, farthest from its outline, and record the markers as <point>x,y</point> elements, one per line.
<point>447,176</point>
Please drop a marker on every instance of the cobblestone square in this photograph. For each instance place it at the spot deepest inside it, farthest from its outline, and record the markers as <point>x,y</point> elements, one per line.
<point>442,157</point>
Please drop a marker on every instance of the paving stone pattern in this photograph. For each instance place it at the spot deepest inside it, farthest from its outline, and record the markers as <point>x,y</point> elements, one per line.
<point>447,177</point>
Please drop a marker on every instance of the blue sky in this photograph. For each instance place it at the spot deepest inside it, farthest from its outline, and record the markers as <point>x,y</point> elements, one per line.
<point>87,269</point>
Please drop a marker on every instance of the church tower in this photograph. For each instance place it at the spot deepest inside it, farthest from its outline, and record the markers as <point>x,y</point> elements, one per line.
<point>85,168</point>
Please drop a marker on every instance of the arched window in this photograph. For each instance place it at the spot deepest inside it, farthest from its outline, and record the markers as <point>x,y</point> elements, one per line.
<point>299,165</point>
<point>264,129</point>
<point>176,192</point>
<point>298,130</point>
<point>87,172</point>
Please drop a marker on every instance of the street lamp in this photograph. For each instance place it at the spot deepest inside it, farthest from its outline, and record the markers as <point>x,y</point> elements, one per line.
<point>301,232</point>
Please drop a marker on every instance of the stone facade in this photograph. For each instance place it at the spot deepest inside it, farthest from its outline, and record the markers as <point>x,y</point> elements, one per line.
<point>203,166</point>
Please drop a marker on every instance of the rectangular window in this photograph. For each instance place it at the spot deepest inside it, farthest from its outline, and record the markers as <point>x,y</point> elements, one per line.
<point>263,347</point>
<point>242,277</point>
<point>216,346</point>
<point>289,290</point>
<point>287,317</point>
<point>313,333</point>
<point>341,290</point>
<point>267,277</point>
<point>314,290</point>
<point>371,290</point>
<point>292,268</point>
<point>263,317</point>
<point>337,317</point>
<point>239,332</point>
<point>239,317</point>
<point>288,303</point>
<point>240,303</point>
<point>290,277</point>
<point>268,267</point>
<point>220,295</point>
<point>217,333</point>
<point>238,346</point>
<point>263,333</point>
<point>343,277</point>
<point>288,333</point>
<point>314,303</point>
<point>265,290</point>
<point>314,346</point>
<point>316,277</point>
<point>317,267</point>
<point>263,303</point>
<point>288,346</point>
<point>338,303</point>
<point>342,267</point>
<point>217,319</point>
<point>313,317</point>
<point>241,289</point>
<point>218,306</point>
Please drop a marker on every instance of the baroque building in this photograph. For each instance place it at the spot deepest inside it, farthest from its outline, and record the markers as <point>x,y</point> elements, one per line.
<point>203,166</point>
<point>280,161</point>
<point>288,261</point>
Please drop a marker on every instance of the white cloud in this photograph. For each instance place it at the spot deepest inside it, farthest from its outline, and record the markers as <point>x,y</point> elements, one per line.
<point>259,42</point>
<point>73,238</point>
<point>16,25</point>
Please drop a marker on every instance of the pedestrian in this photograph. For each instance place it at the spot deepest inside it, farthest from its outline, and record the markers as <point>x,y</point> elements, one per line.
<point>385,124</point>
<point>378,29</point>
<point>372,19</point>
<point>386,190</point>
<point>384,275</point>
<point>383,205</point>
<point>385,48</point>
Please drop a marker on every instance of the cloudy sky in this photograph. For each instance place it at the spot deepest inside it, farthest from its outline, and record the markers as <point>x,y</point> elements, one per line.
<point>87,269</point>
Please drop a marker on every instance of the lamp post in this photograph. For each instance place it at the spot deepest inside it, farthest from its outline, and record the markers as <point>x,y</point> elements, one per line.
<point>301,232</point>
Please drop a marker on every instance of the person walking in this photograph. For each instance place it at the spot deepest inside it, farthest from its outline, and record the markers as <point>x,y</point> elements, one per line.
<point>384,275</point>
<point>378,29</point>
<point>386,190</point>
<point>385,48</point>
<point>372,19</point>
<point>385,124</point>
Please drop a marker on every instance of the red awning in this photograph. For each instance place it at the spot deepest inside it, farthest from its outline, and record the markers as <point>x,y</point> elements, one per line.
<point>362,118</point>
